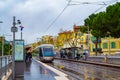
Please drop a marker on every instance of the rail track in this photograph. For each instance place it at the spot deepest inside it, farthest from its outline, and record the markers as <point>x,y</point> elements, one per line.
<point>72,75</point>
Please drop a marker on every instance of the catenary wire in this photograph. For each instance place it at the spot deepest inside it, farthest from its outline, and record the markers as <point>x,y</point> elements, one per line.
<point>58,16</point>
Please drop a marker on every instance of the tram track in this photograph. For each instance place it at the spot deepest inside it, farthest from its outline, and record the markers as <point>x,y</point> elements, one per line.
<point>82,70</point>
<point>72,75</point>
<point>91,62</point>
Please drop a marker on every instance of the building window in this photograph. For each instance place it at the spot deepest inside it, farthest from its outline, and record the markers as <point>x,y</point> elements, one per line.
<point>105,46</point>
<point>81,34</point>
<point>113,45</point>
<point>92,46</point>
<point>82,39</point>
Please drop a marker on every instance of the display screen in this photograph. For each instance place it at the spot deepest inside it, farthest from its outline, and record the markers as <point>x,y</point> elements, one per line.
<point>19,50</point>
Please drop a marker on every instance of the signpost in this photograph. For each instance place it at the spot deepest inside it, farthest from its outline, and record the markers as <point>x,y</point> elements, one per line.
<point>18,53</point>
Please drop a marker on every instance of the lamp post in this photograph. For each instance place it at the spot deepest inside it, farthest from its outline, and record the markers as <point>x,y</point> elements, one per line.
<point>14,29</point>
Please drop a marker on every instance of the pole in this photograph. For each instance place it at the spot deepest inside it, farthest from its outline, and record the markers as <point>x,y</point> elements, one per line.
<point>3,45</point>
<point>21,35</point>
<point>13,29</point>
<point>13,55</point>
<point>109,44</point>
<point>88,41</point>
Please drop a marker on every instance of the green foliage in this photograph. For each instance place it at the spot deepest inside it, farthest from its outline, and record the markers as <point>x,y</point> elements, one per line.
<point>113,19</point>
<point>84,29</point>
<point>105,23</point>
<point>102,23</point>
<point>7,49</point>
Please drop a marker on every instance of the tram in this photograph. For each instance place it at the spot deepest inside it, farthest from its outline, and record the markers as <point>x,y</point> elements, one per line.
<point>45,52</point>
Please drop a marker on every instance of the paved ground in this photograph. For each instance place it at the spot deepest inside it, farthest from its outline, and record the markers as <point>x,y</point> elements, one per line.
<point>37,70</point>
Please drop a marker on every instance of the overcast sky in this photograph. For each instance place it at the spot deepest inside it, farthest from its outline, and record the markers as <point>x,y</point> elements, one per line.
<point>38,15</point>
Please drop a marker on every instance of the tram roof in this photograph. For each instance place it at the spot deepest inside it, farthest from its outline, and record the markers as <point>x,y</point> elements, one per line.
<point>45,45</point>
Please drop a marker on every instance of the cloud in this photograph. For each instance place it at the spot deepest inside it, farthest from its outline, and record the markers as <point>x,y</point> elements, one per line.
<point>36,6</point>
<point>37,15</point>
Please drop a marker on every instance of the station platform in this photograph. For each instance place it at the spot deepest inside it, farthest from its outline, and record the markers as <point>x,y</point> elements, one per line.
<point>37,70</point>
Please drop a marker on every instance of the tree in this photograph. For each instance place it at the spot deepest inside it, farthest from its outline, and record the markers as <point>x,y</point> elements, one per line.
<point>102,23</point>
<point>7,49</point>
<point>96,24</point>
<point>113,19</point>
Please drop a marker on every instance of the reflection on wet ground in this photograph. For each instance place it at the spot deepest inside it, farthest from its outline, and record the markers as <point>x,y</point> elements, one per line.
<point>35,71</point>
<point>91,72</point>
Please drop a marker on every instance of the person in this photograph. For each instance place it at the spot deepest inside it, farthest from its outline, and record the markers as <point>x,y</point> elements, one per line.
<point>85,56</point>
<point>69,54</point>
<point>28,54</point>
<point>61,54</point>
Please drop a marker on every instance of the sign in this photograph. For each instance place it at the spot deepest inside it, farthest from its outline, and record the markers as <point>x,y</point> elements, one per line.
<point>19,50</point>
<point>14,29</point>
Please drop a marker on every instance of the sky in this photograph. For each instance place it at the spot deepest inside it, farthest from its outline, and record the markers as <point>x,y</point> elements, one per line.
<point>46,17</point>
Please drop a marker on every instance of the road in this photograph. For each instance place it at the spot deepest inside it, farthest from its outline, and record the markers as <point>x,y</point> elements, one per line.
<point>90,72</point>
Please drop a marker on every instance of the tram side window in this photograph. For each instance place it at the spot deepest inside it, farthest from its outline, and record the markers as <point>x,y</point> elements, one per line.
<point>40,52</point>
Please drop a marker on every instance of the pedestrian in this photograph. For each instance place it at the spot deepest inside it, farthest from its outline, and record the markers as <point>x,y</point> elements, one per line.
<point>28,54</point>
<point>61,54</point>
<point>85,56</point>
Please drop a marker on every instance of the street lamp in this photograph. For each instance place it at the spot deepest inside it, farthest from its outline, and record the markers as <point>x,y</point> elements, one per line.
<point>14,29</point>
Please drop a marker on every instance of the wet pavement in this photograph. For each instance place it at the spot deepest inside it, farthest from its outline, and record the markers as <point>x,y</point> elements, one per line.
<point>34,71</point>
<point>90,72</point>
<point>37,71</point>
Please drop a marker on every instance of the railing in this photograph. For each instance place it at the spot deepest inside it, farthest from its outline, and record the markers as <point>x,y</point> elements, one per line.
<point>5,65</point>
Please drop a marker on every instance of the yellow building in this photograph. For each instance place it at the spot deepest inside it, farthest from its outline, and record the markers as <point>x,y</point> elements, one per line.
<point>81,38</point>
<point>64,38</point>
<point>108,45</point>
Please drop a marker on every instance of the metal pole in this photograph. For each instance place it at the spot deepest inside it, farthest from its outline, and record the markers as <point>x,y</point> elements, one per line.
<point>88,41</point>
<point>21,35</point>
<point>109,44</point>
<point>13,65</point>
<point>3,45</point>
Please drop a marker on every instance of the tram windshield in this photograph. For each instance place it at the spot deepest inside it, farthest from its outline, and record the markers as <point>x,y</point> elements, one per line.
<point>48,51</point>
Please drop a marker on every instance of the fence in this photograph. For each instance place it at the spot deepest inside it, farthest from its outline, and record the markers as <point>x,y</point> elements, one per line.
<point>5,65</point>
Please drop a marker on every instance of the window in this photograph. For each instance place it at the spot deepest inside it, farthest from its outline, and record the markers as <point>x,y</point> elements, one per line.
<point>113,45</point>
<point>82,39</point>
<point>105,46</point>
<point>48,51</point>
<point>40,53</point>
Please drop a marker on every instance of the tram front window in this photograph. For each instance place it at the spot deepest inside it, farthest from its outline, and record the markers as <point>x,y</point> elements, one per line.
<point>48,51</point>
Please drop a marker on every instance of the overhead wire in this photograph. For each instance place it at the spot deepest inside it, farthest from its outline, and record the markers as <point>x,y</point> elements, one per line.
<point>104,5</point>
<point>68,4</point>
<point>58,16</point>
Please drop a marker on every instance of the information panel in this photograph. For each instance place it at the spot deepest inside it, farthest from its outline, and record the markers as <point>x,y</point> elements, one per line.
<point>19,50</point>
